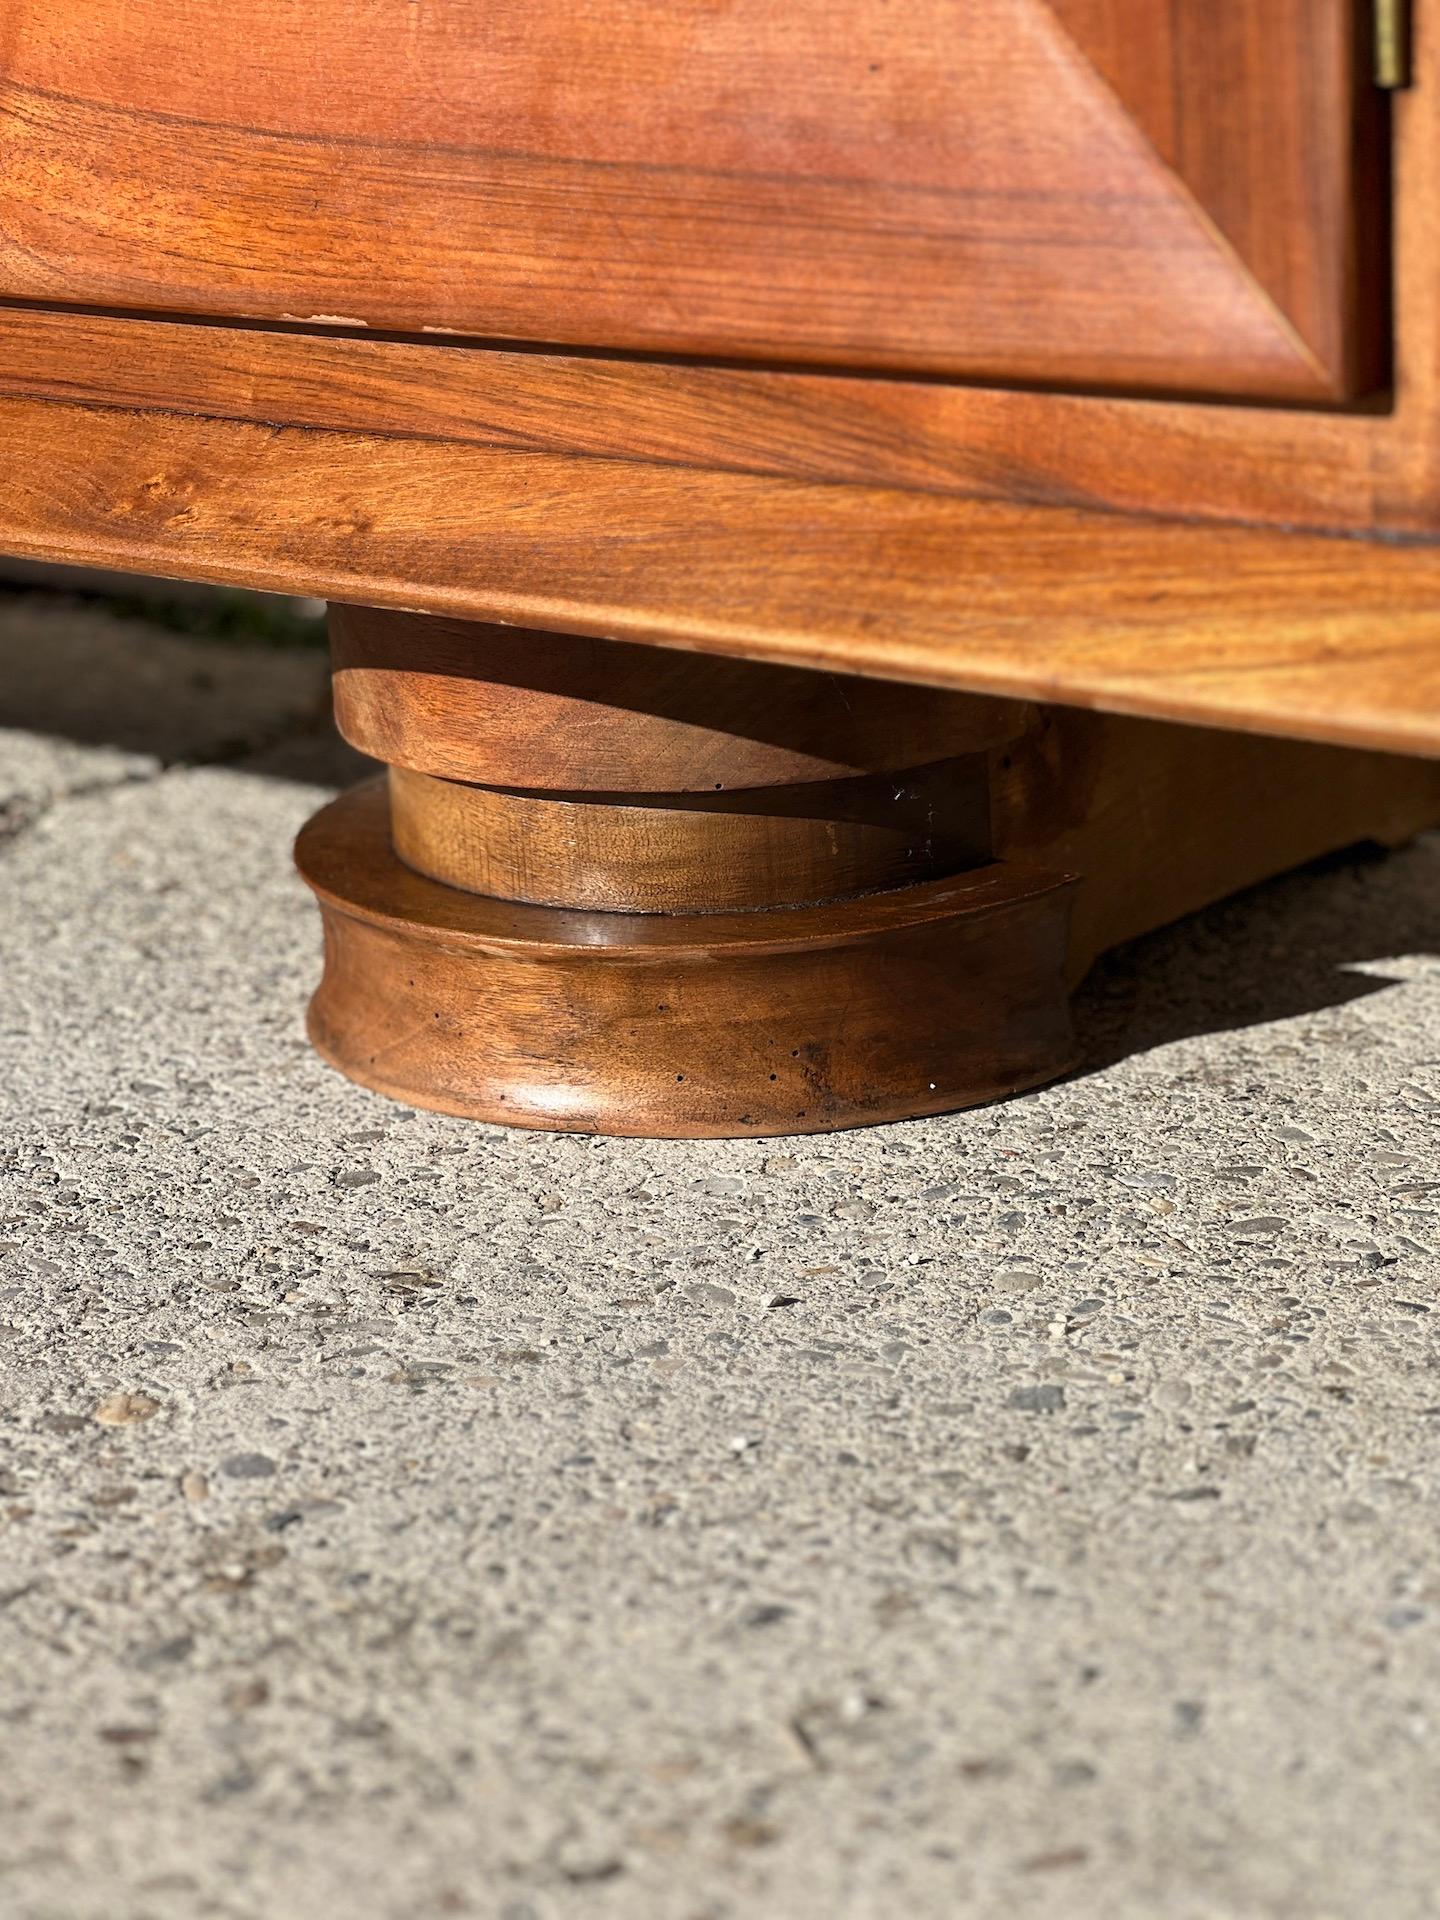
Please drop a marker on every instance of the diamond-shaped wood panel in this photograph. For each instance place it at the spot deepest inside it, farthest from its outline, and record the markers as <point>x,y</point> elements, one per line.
<point>1154,195</point>
<point>1265,114</point>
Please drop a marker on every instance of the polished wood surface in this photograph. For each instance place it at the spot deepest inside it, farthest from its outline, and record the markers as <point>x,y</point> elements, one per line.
<point>1032,350</point>
<point>590,773</point>
<point>1226,93</point>
<point>800,1020</point>
<point>1350,472</point>
<point>511,707</point>
<point>1323,638</point>
<point>1375,469</point>
<point>780,515</point>
<point>1181,195</point>
<point>660,503</point>
<point>1158,820</point>
<point>695,853</point>
<point>792,958</point>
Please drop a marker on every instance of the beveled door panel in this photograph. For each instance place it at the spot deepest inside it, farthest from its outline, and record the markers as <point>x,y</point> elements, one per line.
<point>1143,195</point>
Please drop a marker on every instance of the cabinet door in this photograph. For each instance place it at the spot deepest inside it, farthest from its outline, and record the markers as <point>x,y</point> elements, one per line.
<point>1146,195</point>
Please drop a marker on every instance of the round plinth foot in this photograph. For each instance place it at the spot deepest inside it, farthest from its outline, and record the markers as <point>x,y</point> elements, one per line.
<point>916,1000</point>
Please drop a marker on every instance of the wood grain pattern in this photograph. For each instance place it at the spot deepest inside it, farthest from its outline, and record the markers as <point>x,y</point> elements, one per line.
<point>940,188</point>
<point>1377,471</point>
<point>1325,639</point>
<point>1229,93</point>
<point>1323,470</point>
<point>585,494</point>
<point>1159,820</point>
<point>587,773</point>
<point>797,1021</point>
<point>510,707</point>
<point>666,853</point>
<point>920,998</point>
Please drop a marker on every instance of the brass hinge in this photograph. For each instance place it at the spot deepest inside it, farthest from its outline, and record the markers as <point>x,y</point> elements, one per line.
<point>1392,43</point>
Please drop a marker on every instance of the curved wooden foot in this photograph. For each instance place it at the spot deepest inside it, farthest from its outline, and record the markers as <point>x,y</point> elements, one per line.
<point>910,1001</point>
<point>613,888</point>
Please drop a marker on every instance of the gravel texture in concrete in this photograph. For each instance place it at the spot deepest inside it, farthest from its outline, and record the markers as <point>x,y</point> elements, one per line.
<point>1030,1512</point>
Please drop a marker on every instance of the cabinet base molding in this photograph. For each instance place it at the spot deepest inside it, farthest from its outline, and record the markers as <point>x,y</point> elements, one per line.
<point>794,933</point>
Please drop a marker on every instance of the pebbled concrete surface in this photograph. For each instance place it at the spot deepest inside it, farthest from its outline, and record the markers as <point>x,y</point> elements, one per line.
<point>1026,1513</point>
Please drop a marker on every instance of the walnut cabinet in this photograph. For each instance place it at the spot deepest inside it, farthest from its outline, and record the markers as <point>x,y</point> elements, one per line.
<point>833,514</point>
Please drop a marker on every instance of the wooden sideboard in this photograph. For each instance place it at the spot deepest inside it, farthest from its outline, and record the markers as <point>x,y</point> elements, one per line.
<point>833,514</point>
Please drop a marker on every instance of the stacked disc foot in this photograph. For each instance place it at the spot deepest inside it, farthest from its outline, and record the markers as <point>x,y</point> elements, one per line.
<point>626,890</point>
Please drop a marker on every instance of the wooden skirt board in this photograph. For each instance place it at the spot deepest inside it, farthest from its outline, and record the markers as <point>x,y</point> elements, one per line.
<point>486,955</point>
<point>1324,638</point>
